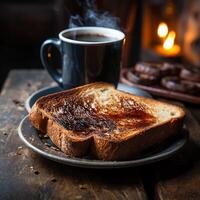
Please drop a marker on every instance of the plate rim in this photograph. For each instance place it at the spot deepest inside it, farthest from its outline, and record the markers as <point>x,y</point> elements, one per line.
<point>86,163</point>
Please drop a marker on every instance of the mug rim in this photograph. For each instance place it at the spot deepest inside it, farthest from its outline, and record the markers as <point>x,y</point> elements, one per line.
<point>107,32</point>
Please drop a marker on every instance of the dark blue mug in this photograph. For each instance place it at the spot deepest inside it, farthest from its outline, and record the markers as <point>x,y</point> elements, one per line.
<point>88,54</point>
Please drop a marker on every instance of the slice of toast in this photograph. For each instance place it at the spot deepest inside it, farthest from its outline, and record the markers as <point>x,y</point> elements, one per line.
<point>98,120</point>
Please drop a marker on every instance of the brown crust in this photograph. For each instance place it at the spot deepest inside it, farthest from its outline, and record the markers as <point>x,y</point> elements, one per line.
<point>192,74</point>
<point>140,78</point>
<point>176,84</point>
<point>129,144</point>
<point>152,69</point>
<point>169,69</point>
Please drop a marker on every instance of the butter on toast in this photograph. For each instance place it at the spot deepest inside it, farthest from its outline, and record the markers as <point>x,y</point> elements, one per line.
<point>98,120</point>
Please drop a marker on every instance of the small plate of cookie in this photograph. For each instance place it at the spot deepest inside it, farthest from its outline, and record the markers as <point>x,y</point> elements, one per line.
<point>174,81</point>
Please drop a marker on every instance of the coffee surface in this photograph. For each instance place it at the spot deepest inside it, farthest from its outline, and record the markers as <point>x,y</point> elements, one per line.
<point>91,38</point>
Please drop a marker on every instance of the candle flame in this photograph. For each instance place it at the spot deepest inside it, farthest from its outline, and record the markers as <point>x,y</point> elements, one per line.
<point>162,30</point>
<point>169,41</point>
<point>168,48</point>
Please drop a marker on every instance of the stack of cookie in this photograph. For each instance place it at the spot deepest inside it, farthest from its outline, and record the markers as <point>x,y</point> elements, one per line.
<point>173,77</point>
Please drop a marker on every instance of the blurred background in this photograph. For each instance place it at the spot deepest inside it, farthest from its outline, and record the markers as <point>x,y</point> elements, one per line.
<point>156,30</point>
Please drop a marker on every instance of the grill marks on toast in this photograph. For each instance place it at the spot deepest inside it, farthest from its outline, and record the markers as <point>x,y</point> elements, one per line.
<point>77,116</point>
<point>94,114</point>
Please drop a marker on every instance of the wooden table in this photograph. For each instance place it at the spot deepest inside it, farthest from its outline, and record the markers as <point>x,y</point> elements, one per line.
<point>26,175</point>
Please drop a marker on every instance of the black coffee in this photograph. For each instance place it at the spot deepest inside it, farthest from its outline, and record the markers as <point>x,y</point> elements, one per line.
<point>91,38</point>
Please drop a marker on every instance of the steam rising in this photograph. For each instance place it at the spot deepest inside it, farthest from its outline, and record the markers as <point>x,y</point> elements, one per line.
<point>93,17</point>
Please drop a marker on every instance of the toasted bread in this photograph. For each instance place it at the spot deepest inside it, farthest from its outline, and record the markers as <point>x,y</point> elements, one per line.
<point>98,120</point>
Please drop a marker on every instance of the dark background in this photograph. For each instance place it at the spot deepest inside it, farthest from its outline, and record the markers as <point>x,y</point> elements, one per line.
<point>25,24</point>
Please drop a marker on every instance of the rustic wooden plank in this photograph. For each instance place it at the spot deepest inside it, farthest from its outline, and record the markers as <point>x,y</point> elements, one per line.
<point>179,178</point>
<point>25,174</point>
<point>21,83</point>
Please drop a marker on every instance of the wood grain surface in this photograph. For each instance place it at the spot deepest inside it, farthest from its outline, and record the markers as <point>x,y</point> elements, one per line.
<point>26,175</point>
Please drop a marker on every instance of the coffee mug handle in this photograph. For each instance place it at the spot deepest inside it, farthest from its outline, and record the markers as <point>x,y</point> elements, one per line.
<point>45,56</point>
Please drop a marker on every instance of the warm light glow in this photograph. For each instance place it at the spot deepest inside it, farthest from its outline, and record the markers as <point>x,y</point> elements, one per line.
<point>169,41</point>
<point>162,30</point>
<point>49,55</point>
<point>168,47</point>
